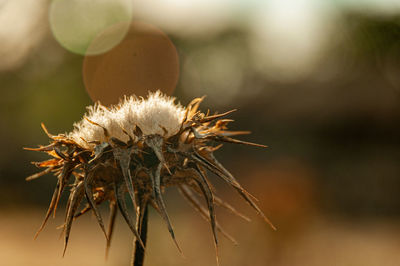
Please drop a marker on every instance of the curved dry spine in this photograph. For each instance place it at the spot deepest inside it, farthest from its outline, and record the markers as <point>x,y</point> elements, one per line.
<point>111,223</point>
<point>192,199</point>
<point>139,148</point>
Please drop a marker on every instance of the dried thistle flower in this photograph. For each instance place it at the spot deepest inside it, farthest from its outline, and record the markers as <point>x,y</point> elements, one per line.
<point>140,147</point>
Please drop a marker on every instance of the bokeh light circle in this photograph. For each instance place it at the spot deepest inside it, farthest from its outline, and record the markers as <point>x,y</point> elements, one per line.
<point>76,23</point>
<point>145,60</point>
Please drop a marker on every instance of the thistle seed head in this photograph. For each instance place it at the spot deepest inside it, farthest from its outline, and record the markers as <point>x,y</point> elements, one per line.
<point>156,115</point>
<point>139,147</point>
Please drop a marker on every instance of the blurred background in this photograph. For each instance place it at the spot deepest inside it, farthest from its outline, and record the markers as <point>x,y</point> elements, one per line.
<point>316,81</point>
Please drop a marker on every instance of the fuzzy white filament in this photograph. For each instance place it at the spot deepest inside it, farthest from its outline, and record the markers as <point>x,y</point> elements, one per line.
<point>158,114</point>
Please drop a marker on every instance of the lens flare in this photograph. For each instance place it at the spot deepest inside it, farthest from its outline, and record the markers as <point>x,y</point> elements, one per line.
<point>76,23</point>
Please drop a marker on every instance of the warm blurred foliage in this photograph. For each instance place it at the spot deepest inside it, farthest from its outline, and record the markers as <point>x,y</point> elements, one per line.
<point>318,83</point>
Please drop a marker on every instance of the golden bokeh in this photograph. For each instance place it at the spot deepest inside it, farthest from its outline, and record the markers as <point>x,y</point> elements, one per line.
<point>145,60</point>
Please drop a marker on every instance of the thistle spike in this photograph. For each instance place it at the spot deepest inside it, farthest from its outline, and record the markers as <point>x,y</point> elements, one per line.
<point>119,194</point>
<point>88,179</point>
<point>74,201</point>
<point>155,182</point>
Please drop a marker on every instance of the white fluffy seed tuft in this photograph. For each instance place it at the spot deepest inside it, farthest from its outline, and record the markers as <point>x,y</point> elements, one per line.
<point>158,114</point>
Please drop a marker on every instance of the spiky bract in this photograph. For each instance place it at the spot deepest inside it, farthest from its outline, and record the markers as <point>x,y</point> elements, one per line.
<point>140,147</point>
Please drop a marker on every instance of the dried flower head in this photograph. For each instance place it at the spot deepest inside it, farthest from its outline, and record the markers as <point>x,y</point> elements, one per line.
<point>140,147</point>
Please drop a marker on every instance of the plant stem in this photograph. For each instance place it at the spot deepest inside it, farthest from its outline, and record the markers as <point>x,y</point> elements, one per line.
<point>138,258</point>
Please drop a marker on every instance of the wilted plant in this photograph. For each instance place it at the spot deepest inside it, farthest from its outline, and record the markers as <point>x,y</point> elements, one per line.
<point>140,147</point>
